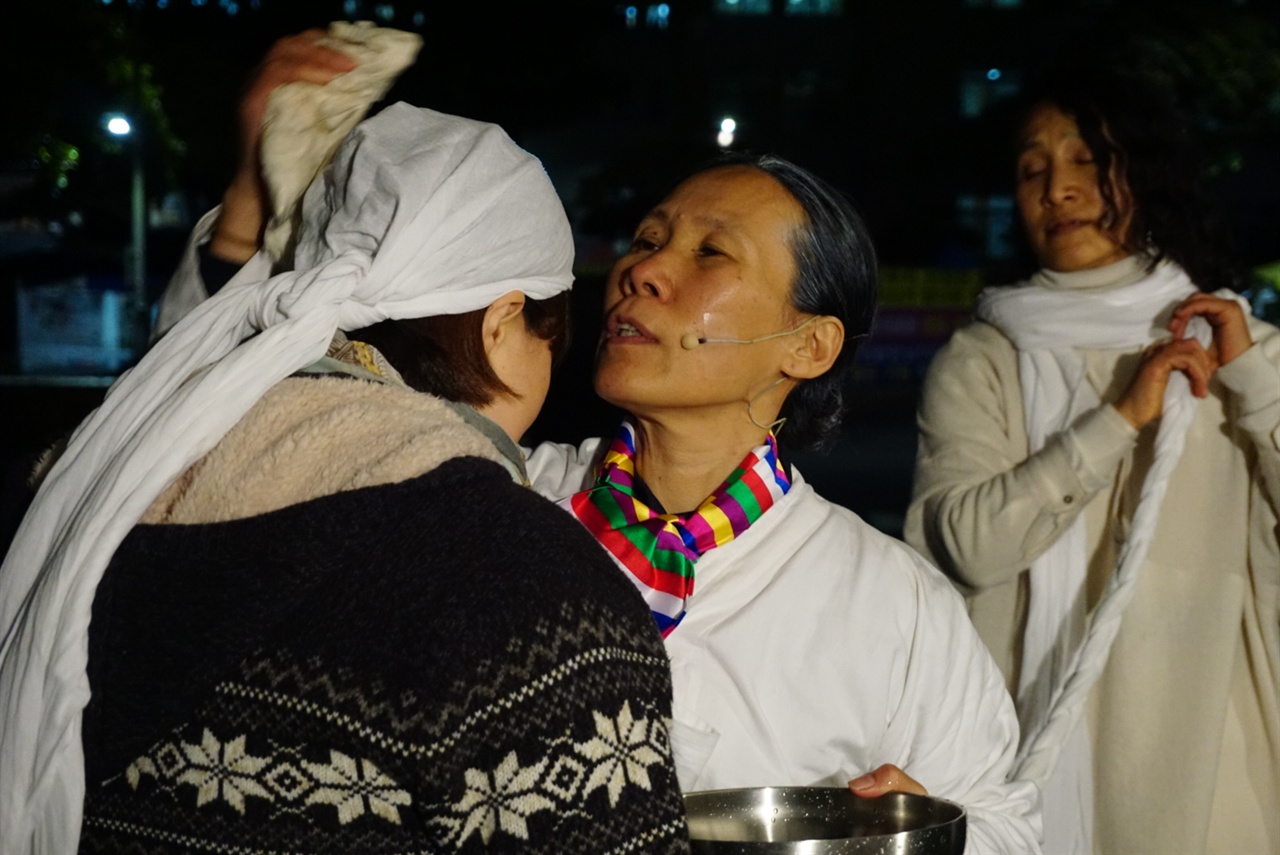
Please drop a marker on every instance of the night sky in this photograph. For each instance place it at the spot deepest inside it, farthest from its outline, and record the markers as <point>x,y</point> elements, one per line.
<point>897,103</point>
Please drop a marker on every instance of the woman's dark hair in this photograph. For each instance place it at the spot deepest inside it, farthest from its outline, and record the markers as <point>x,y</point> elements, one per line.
<point>836,275</point>
<point>1129,125</point>
<point>444,355</point>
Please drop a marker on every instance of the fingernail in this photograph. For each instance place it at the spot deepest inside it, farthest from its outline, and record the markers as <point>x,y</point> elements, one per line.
<point>863,782</point>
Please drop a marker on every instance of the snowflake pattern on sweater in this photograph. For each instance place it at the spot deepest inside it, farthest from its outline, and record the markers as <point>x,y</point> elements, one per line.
<point>337,694</point>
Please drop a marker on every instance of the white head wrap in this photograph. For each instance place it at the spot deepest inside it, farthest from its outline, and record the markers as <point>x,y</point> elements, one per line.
<point>420,214</point>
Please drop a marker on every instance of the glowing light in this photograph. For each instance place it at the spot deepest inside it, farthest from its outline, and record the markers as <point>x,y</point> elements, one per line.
<point>725,139</point>
<point>728,125</point>
<point>118,125</point>
<point>419,18</point>
<point>631,14</point>
<point>993,74</point>
<point>350,8</point>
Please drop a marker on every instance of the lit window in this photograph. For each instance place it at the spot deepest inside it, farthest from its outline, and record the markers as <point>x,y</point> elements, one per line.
<point>657,16</point>
<point>979,89</point>
<point>814,7</point>
<point>744,7</point>
<point>989,219</point>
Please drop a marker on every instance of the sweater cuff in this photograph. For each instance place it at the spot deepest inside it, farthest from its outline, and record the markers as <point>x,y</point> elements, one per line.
<point>1096,443</point>
<point>1253,379</point>
<point>1256,385</point>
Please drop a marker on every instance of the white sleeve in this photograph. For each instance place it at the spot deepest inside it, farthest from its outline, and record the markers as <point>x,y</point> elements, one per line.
<point>557,470</point>
<point>981,508</point>
<point>186,289</point>
<point>1254,381</point>
<point>955,728</point>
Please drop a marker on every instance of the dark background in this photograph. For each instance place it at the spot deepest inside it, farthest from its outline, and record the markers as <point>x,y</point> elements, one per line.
<point>897,103</point>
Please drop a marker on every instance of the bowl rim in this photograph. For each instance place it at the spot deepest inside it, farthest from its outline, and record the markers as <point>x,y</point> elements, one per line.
<point>961,817</point>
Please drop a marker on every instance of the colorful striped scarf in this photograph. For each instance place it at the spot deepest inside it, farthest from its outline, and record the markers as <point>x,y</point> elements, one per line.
<point>658,551</point>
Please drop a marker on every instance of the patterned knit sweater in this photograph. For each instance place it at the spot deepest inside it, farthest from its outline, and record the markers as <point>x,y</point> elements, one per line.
<point>439,663</point>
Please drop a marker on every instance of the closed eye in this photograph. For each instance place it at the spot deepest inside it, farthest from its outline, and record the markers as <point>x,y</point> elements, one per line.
<point>707,250</point>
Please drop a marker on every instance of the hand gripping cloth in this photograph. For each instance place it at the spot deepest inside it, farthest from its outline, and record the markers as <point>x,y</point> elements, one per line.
<point>305,122</point>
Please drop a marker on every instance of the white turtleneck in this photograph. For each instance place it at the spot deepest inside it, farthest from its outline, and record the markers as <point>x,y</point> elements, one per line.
<point>1126,271</point>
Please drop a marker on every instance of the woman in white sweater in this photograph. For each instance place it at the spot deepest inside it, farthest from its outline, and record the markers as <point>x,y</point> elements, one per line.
<point>1098,469</point>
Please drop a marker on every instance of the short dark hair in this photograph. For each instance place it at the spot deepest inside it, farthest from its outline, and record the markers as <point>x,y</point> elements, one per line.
<point>1131,125</point>
<point>444,355</point>
<point>835,275</point>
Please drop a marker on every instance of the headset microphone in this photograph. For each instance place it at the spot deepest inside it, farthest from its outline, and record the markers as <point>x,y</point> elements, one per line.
<point>691,340</point>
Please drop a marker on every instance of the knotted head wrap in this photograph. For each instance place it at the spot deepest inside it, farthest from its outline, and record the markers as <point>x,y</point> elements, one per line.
<point>419,214</point>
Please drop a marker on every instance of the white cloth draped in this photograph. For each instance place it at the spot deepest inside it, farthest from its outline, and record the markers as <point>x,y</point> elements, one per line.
<point>420,214</point>
<point>1065,649</point>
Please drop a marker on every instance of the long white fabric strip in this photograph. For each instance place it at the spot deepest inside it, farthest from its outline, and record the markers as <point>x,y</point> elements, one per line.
<point>420,214</point>
<point>1065,650</point>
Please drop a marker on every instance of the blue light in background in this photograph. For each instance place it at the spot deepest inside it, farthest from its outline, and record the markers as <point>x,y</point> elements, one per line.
<point>993,74</point>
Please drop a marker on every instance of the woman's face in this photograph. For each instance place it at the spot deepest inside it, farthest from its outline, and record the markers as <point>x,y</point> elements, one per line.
<point>1063,211</point>
<point>713,260</point>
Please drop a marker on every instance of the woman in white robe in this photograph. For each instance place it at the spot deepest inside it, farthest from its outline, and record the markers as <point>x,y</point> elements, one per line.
<point>810,648</point>
<point>1047,477</point>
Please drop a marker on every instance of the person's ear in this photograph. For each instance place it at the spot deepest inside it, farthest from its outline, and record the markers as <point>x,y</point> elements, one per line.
<point>499,318</point>
<point>815,349</point>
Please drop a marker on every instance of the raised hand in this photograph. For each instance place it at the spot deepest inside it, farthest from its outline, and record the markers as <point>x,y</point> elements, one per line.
<point>1143,402</point>
<point>1230,327</point>
<point>297,58</point>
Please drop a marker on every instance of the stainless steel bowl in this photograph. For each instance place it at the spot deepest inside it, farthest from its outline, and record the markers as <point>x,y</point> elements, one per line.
<point>822,821</point>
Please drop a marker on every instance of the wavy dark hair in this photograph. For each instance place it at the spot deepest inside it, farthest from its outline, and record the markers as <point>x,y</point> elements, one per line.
<point>1130,125</point>
<point>836,275</point>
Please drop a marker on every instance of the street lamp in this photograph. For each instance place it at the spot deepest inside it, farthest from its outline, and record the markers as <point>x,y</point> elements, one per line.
<point>728,125</point>
<point>136,258</point>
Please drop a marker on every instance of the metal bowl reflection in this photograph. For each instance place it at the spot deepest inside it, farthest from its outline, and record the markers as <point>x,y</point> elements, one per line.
<point>822,821</point>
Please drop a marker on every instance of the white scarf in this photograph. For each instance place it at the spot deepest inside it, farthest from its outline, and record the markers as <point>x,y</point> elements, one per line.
<point>1065,650</point>
<point>420,214</point>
